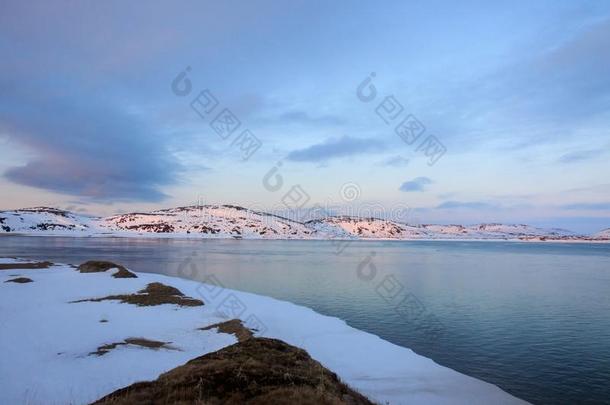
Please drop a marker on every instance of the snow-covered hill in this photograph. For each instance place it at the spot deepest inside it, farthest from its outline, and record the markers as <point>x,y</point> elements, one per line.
<point>213,221</point>
<point>603,235</point>
<point>373,228</point>
<point>210,221</point>
<point>496,231</point>
<point>45,220</point>
<point>230,221</point>
<point>367,228</point>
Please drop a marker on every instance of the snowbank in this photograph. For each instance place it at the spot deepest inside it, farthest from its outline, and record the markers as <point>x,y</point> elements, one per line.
<point>47,340</point>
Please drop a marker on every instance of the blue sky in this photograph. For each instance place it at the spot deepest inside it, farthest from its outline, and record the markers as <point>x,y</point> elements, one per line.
<point>518,94</point>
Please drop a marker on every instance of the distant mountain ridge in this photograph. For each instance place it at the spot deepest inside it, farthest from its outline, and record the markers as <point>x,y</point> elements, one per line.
<point>231,221</point>
<point>605,234</point>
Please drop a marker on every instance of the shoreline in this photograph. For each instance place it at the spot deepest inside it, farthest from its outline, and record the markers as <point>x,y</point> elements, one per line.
<point>387,373</point>
<point>224,238</point>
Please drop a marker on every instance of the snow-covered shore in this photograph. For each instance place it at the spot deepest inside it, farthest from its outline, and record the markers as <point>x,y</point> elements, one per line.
<point>47,339</point>
<point>229,221</point>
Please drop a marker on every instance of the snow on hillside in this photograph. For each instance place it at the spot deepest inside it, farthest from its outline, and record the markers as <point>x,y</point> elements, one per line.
<point>44,219</point>
<point>230,221</point>
<point>494,231</point>
<point>366,228</point>
<point>373,228</point>
<point>215,221</point>
<point>603,235</point>
<point>210,221</point>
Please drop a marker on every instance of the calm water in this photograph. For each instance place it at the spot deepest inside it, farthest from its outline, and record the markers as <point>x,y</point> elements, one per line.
<point>533,319</point>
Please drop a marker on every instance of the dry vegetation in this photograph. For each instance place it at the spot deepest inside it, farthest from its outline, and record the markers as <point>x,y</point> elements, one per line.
<point>153,294</point>
<point>20,280</point>
<point>234,326</point>
<point>98,266</point>
<point>142,342</point>
<point>255,371</point>
<point>25,266</point>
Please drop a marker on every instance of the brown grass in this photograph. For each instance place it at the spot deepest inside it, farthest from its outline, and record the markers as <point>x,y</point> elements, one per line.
<point>161,290</point>
<point>25,266</point>
<point>234,326</point>
<point>142,342</point>
<point>99,266</point>
<point>153,294</point>
<point>20,280</point>
<point>255,371</point>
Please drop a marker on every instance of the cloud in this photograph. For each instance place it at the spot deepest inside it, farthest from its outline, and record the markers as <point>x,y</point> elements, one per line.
<point>417,184</point>
<point>581,65</point>
<point>84,145</point>
<point>579,156</point>
<point>444,196</point>
<point>566,83</point>
<point>302,117</point>
<point>596,189</point>
<point>554,90</point>
<point>466,205</point>
<point>604,206</point>
<point>336,148</point>
<point>395,161</point>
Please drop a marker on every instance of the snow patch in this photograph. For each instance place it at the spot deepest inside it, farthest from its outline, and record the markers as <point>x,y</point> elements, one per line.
<point>46,342</point>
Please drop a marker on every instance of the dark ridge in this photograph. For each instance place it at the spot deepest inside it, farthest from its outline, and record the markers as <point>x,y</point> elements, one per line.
<point>100,266</point>
<point>256,371</point>
<point>20,280</point>
<point>25,266</point>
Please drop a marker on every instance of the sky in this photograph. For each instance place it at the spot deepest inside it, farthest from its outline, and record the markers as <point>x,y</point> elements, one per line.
<point>454,112</point>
